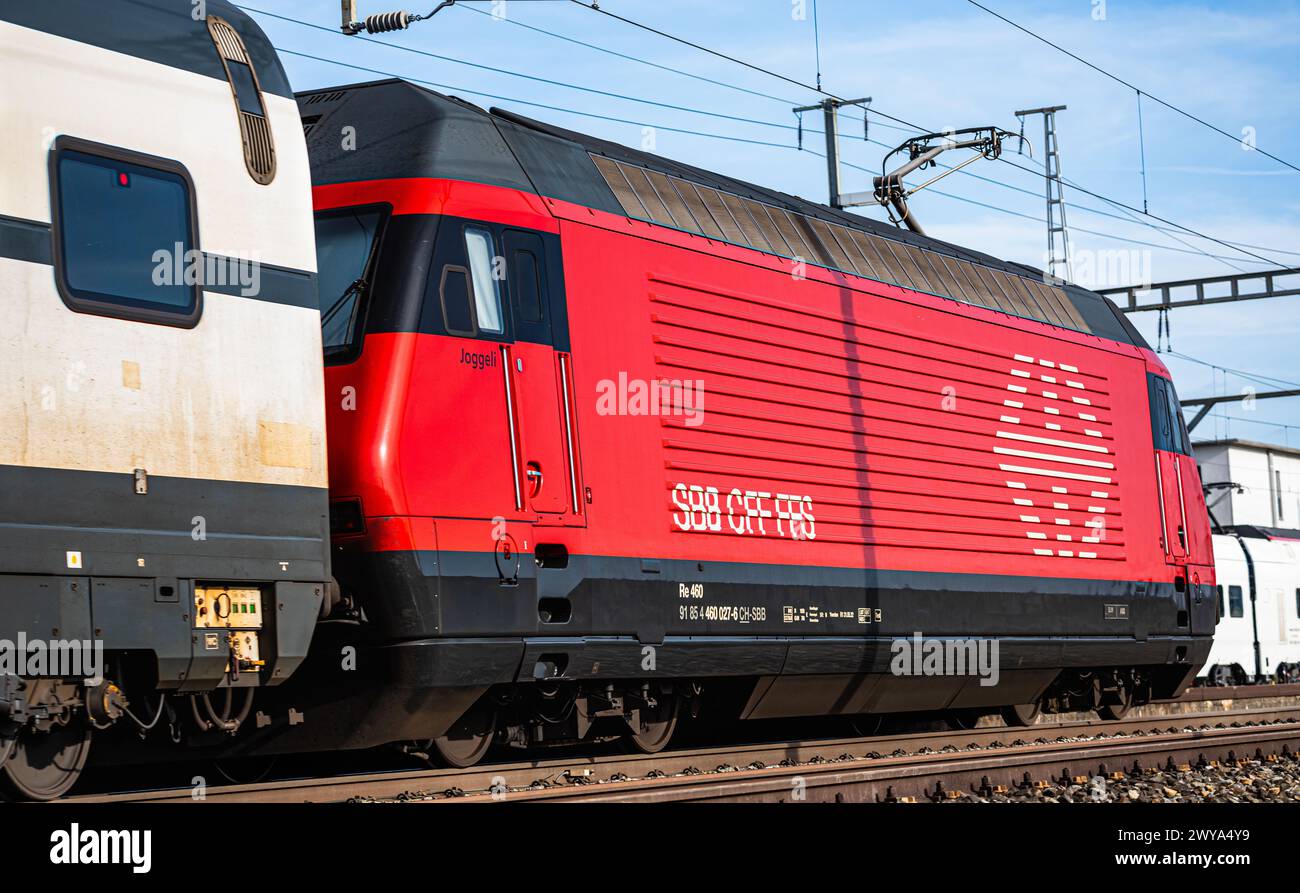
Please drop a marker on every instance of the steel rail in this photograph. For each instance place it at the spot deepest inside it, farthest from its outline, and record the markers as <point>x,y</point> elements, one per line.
<point>916,777</point>
<point>585,771</point>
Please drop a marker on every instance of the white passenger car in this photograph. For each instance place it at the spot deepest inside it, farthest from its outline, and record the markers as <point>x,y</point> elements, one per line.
<point>1258,634</point>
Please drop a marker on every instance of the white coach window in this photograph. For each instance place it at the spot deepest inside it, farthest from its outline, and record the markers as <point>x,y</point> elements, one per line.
<point>125,232</point>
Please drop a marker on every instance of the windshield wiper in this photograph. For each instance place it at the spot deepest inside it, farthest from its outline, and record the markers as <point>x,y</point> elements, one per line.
<point>356,288</point>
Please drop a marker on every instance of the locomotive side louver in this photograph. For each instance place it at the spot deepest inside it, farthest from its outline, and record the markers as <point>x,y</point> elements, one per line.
<point>695,207</point>
<point>246,89</point>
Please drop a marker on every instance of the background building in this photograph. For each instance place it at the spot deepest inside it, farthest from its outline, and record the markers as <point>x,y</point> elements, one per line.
<point>1251,483</point>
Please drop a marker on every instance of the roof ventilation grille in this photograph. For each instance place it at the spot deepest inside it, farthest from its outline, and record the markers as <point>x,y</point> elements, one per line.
<point>250,107</point>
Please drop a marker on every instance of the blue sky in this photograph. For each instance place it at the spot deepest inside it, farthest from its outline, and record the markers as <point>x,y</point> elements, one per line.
<point>940,65</point>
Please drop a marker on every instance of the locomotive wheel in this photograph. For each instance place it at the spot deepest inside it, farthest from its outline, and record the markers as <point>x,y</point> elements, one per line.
<point>1220,675</point>
<point>468,740</point>
<point>963,720</point>
<point>864,725</point>
<point>1120,710</point>
<point>245,770</point>
<point>1115,711</point>
<point>45,765</point>
<point>656,729</point>
<point>1020,715</point>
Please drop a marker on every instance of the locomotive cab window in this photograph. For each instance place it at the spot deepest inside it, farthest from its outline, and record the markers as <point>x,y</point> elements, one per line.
<point>527,284</point>
<point>455,293</point>
<point>1177,425</point>
<point>1168,431</point>
<point>125,234</point>
<point>1236,605</point>
<point>346,242</point>
<point>526,274</point>
<point>484,263</point>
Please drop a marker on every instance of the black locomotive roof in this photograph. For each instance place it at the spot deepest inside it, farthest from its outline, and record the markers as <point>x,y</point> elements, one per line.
<point>412,131</point>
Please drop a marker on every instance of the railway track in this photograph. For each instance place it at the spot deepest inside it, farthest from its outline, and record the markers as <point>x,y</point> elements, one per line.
<point>1202,693</point>
<point>950,773</point>
<point>916,766</point>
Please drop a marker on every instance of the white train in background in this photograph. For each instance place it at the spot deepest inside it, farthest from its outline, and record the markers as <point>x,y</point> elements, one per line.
<point>1258,635</point>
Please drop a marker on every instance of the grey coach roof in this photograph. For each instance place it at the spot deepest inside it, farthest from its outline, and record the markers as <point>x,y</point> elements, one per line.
<point>163,31</point>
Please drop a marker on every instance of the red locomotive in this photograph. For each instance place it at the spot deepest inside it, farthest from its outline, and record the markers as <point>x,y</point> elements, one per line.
<point>612,438</point>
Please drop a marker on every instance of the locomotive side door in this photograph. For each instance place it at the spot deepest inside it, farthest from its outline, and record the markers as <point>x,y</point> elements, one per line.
<point>1184,521</point>
<point>541,372</point>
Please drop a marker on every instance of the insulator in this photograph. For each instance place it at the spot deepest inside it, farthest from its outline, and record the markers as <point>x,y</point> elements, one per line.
<point>388,21</point>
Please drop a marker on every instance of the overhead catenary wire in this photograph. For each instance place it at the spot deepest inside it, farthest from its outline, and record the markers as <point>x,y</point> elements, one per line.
<point>1119,80</point>
<point>678,71</point>
<point>868,112</point>
<point>630,58</point>
<point>1091,210</point>
<point>593,7</point>
<point>1223,416</point>
<point>1266,380</point>
<point>1254,378</point>
<point>720,137</point>
<point>542,105</point>
<point>518,74</point>
<point>1182,227</point>
<point>746,120</point>
<point>1131,214</point>
<point>702,134</point>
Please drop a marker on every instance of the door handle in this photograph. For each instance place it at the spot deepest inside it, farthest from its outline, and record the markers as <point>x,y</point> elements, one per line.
<point>535,478</point>
<point>1160,501</point>
<point>568,433</point>
<point>510,419</point>
<point>1182,505</point>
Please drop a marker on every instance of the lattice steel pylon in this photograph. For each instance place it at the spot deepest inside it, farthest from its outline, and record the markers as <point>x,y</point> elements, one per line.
<point>1058,235</point>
